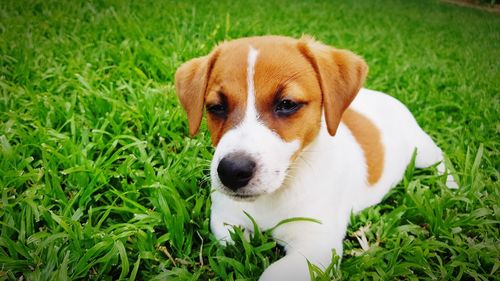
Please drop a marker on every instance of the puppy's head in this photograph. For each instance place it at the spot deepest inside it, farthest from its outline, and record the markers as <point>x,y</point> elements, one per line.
<point>265,98</point>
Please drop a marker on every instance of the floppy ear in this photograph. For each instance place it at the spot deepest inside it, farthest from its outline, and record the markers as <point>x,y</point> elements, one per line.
<point>341,75</point>
<point>191,80</point>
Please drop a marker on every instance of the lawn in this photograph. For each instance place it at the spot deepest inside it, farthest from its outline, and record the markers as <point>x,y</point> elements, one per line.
<point>99,179</point>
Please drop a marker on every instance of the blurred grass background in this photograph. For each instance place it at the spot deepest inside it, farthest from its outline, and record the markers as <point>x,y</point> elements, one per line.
<point>100,181</point>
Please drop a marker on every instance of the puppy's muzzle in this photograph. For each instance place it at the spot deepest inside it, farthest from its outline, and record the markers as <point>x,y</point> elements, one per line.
<point>236,170</point>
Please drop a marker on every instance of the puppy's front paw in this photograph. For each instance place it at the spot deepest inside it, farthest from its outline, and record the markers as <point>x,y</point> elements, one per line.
<point>451,182</point>
<point>222,232</point>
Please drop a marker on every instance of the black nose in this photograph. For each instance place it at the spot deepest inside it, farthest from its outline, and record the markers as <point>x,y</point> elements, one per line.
<point>236,170</point>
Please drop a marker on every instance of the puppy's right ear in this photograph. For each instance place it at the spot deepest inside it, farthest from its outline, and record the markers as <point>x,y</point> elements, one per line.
<point>191,81</point>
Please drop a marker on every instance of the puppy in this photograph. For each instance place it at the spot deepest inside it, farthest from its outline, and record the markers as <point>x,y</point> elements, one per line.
<point>297,136</point>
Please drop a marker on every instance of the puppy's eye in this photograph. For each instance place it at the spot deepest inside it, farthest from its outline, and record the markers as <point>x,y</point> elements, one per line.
<point>218,109</point>
<point>287,107</point>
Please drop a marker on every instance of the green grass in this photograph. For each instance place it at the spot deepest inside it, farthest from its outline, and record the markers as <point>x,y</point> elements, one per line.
<point>100,181</point>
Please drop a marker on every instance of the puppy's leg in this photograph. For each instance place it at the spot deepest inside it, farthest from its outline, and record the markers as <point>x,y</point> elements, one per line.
<point>428,154</point>
<point>220,228</point>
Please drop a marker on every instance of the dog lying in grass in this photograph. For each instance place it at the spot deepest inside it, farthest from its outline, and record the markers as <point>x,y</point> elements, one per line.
<point>296,135</point>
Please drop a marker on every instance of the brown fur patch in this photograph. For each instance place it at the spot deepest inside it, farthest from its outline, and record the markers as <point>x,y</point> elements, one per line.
<point>286,74</point>
<point>368,137</point>
<point>228,78</point>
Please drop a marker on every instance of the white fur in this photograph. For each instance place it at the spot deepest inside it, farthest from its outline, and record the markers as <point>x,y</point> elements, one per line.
<point>326,182</point>
<point>251,112</point>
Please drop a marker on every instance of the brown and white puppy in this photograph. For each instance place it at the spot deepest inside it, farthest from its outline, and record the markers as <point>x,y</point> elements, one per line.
<point>297,136</point>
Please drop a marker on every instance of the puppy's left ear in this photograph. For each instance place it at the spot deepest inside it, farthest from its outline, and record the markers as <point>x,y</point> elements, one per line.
<point>191,81</point>
<point>341,75</point>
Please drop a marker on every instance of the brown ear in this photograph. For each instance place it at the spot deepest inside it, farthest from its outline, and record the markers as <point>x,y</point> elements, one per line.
<point>191,80</point>
<point>341,75</point>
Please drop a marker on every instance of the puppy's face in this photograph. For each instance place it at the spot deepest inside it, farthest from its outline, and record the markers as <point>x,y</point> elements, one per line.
<point>264,98</point>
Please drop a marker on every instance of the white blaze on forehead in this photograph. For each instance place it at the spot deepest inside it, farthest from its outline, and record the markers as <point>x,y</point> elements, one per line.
<point>251,60</point>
